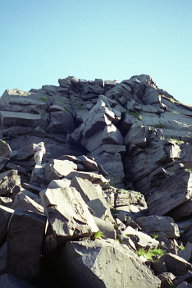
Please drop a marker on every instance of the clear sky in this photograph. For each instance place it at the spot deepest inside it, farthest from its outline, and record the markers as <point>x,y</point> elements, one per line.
<point>44,40</point>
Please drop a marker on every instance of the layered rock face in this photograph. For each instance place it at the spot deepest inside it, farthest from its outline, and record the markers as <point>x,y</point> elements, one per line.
<point>118,166</point>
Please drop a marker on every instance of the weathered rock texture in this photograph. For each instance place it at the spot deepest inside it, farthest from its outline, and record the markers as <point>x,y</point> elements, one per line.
<point>118,164</point>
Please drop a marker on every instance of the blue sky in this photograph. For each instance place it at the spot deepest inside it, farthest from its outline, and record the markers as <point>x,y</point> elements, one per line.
<point>44,40</point>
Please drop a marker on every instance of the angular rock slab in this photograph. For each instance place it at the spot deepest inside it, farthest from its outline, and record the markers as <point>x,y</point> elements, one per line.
<point>59,169</point>
<point>105,263</point>
<point>24,241</point>
<point>174,191</point>
<point>164,226</point>
<point>140,239</point>
<point>175,264</point>
<point>67,213</point>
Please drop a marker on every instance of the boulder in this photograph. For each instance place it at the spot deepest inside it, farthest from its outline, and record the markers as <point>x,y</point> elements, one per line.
<point>67,213</point>
<point>24,241</point>
<point>175,264</point>
<point>103,263</point>
<point>26,203</point>
<point>58,169</point>
<point>93,197</point>
<point>92,177</point>
<point>61,122</point>
<point>140,239</point>
<point>176,190</point>
<point>161,225</point>
<point>19,118</point>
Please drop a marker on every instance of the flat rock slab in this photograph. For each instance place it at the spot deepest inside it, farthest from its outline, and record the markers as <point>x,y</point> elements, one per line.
<point>19,118</point>
<point>162,225</point>
<point>67,213</point>
<point>140,239</point>
<point>175,264</point>
<point>174,191</point>
<point>105,263</point>
<point>24,241</point>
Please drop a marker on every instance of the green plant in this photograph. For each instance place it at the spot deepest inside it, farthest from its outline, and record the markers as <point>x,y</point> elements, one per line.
<point>177,141</point>
<point>97,235</point>
<point>155,236</point>
<point>160,125</point>
<point>43,98</point>
<point>188,169</point>
<point>68,109</point>
<point>170,99</point>
<point>136,115</point>
<point>181,247</point>
<point>150,254</point>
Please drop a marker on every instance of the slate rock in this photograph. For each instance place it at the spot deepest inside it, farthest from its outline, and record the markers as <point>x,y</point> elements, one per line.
<point>162,225</point>
<point>176,190</point>
<point>140,239</point>
<point>67,213</point>
<point>175,264</point>
<point>24,239</point>
<point>103,263</point>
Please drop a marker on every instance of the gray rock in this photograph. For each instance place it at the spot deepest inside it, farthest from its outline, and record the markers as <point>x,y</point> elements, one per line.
<point>19,118</point>
<point>94,197</point>
<point>103,263</point>
<point>5,215</point>
<point>127,197</point>
<point>67,213</point>
<point>175,264</point>
<point>24,239</point>
<point>25,203</point>
<point>187,252</point>
<point>173,192</point>
<point>140,239</point>
<point>59,169</point>
<point>61,122</point>
<point>10,183</point>
<point>109,135</point>
<point>184,284</point>
<point>92,177</point>
<point>106,227</point>
<point>161,225</point>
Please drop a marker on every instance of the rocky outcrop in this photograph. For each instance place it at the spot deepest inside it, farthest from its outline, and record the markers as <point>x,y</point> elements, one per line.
<point>113,192</point>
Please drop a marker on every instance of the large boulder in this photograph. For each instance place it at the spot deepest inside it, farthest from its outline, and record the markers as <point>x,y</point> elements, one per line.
<point>24,241</point>
<point>67,213</point>
<point>104,263</point>
<point>176,190</point>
